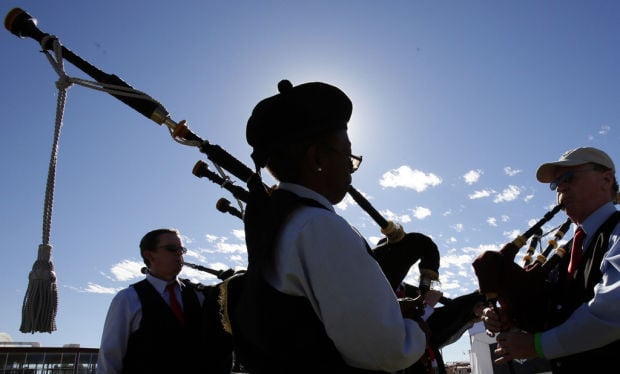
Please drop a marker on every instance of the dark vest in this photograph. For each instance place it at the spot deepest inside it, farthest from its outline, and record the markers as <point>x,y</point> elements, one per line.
<point>275,332</point>
<point>579,291</point>
<point>161,344</point>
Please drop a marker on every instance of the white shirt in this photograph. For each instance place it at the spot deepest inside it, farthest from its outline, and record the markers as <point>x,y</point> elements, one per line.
<point>595,323</point>
<point>320,256</point>
<point>123,318</point>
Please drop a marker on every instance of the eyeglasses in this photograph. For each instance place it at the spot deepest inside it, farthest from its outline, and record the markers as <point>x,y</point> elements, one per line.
<point>354,160</point>
<point>173,248</point>
<point>567,177</point>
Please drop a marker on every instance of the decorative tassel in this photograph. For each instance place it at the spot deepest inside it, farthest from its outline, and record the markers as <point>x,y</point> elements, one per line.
<point>41,300</point>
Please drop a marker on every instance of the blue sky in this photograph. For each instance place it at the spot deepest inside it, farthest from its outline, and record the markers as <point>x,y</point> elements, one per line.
<point>456,103</point>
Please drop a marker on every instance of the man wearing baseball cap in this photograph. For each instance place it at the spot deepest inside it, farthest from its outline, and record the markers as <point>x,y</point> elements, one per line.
<point>583,311</point>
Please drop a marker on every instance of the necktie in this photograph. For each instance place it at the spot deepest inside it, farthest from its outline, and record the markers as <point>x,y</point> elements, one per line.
<point>174,303</point>
<point>576,252</point>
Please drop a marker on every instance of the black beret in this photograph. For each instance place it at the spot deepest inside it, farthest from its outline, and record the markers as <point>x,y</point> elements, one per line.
<point>296,113</point>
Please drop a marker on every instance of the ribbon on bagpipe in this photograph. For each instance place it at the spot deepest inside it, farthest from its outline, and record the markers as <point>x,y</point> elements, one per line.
<point>519,290</point>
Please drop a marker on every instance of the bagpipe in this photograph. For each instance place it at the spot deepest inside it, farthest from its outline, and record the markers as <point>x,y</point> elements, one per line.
<point>396,253</point>
<point>522,292</point>
<point>395,256</point>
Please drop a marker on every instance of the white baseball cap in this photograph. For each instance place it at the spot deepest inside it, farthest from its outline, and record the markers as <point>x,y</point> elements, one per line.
<point>574,157</point>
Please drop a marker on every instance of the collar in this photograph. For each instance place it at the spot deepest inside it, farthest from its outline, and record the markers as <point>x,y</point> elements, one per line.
<point>160,284</point>
<point>307,193</point>
<point>595,220</point>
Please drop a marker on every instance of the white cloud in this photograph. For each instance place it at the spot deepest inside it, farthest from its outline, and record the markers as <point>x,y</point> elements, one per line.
<point>196,255</point>
<point>511,234</point>
<point>223,247</point>
<point>96,288</point>
<point>391,216</point>
<point>239,234</point>
<point>604,130</point>
<point>480,194</point>
<point>404,176</point>
<point>508,194</point>
<point>492,221</point>
<point>348,200</point>
<point>472,176</point>
<point>460,261</point>
<point>127,270</point>
<point>186,239</point>
<point>421,212</point>
<point>238,259</point>
<point>198,276</point>
<point>511,172</point>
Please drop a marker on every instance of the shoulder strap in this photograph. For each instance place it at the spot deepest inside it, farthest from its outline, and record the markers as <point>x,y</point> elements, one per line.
<point>597,250</point>
<point>266,212</point>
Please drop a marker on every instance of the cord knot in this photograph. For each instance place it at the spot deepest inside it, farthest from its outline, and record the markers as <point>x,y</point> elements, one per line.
<point>64,82</point>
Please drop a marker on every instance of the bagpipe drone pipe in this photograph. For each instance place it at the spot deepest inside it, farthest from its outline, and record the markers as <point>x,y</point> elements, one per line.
<point>23,25</point>
<point>522,292</point>
<point>398,251</point>
<point>257,196</point>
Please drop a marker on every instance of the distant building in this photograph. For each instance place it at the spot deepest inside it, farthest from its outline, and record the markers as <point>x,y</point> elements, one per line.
<point>458,368</point>
<point>30,358</point>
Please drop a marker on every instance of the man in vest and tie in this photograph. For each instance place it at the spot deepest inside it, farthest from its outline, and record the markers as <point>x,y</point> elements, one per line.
<point>583,311</point>
<point>156,325</point>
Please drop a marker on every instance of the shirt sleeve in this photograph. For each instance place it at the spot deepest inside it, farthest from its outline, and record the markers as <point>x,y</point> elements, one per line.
<point>123,318</point>
<point>596,323</point>
<point>324,259</point>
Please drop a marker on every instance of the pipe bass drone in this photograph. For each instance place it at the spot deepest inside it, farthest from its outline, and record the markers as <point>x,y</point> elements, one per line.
<point>520,290</point>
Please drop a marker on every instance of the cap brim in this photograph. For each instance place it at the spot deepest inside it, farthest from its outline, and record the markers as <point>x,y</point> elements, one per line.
<point>546,172</point>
